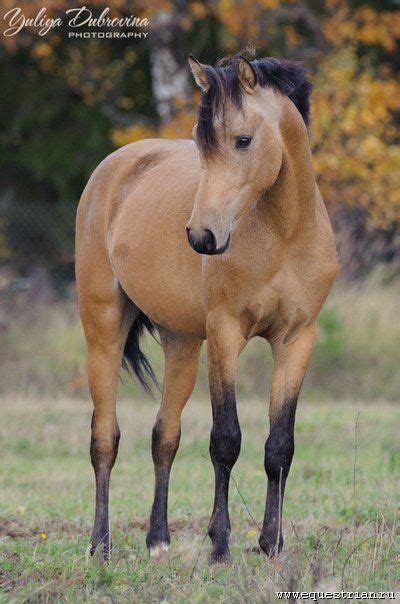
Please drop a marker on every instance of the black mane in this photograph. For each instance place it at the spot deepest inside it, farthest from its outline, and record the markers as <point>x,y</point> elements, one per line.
<point>288,77</point>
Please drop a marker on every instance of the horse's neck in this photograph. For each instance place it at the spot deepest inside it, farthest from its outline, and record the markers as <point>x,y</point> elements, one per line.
<point>289,205</point>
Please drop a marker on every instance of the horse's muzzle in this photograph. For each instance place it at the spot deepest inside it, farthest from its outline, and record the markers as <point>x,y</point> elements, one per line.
<point>206,244</point>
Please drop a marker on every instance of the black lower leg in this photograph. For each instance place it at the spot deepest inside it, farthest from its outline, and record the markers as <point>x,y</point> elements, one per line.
<point>163,452</point>
<point>225,444</point>
<point>279,449</point>
<point>103,454</point>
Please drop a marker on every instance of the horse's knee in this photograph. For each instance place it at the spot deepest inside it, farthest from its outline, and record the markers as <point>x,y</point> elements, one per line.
<point>225,444</point>
<point>226,437</point>
<point>279,446</point>
<point>278,456</point>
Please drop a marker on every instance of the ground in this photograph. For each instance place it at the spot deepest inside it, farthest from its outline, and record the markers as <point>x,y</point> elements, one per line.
<point>339,514</point>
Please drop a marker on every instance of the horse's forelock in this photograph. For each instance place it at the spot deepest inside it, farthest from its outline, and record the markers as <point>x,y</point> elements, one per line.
<point>223,86</point>
<point>288,77</point>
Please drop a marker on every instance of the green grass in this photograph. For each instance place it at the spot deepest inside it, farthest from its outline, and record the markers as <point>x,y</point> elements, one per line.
<point>333,538</point>
<point>357,354</point>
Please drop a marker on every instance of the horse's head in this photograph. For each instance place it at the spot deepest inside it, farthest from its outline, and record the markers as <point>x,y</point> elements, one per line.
<point>239,140</point>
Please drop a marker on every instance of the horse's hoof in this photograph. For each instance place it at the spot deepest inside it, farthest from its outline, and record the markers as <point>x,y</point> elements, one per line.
<point>269,547</point>
<point>256,550</point>
<point>220,557</point>
<point>103,549</point>
<point>102,555</point>
<point>158,552</point>
<point>158,544</point>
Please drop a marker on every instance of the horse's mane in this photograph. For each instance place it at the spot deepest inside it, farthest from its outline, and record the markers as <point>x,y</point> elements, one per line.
<point>288,77</point>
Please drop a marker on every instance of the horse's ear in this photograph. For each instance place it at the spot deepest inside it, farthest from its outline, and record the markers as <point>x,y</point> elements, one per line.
<point>246,74</point>
<point>199,73</point>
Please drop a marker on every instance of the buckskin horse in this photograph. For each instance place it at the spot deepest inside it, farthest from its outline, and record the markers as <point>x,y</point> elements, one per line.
<point>261,262</point>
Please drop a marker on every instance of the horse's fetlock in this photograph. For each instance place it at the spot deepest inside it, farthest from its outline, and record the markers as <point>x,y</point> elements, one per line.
<point>219,530</point>
<point>156,537</point>
<point>219,535</point>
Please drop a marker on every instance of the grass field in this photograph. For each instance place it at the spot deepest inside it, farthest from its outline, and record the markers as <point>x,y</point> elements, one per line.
<point>340,524</point>
<point>357,353</point>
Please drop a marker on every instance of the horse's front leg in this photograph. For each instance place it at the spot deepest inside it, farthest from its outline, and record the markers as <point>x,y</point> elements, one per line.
<point>290,365</point>
<point>224,343</point>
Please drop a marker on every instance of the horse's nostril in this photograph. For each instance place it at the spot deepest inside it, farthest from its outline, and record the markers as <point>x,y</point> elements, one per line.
<point>189,235</point>
<point>209,241</point>
<point>205,244</point>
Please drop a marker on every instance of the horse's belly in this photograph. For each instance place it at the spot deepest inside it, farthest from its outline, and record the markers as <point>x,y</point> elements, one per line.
<point>171,298</point>
<point>151,256</point>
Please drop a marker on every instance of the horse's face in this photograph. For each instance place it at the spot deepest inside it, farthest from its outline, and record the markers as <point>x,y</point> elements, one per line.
<point>242,161</point>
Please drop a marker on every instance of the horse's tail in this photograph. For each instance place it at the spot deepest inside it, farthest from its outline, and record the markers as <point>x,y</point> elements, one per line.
<point>134,360</point>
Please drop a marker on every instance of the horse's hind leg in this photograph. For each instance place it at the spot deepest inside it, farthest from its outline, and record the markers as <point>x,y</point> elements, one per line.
<point>107,315</point>
<point>181,366</point>
<point>290,365</point>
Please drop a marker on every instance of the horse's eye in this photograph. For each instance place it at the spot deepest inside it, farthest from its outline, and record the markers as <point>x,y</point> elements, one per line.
<point>242,142</point>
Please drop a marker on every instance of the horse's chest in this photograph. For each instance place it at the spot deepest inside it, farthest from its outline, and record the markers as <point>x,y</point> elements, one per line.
<point>278,302</point>
<point>275,312</point>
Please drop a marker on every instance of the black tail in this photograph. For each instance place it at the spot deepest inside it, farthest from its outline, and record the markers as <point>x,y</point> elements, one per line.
<point>134,360</point>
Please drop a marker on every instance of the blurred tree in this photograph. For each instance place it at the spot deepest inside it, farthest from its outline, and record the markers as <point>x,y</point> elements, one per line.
<point>61,100</point>
<point>168,69</point>
<point>357,109</point>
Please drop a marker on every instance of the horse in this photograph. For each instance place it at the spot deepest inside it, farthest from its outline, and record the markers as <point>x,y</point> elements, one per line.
<point>258,259</point>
